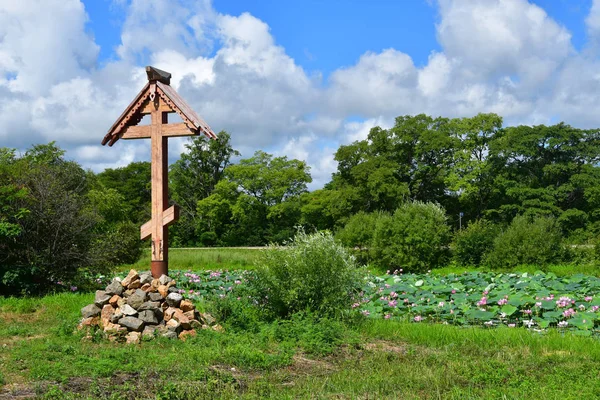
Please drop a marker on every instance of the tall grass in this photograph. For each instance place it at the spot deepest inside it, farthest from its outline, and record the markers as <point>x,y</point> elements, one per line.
<point>201,259</point>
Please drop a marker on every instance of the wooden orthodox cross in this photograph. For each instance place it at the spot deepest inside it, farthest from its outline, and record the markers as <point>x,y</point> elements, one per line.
<point>158,99</point>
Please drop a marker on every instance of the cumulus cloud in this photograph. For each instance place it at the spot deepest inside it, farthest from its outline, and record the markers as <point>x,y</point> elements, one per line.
<point>503,56</point>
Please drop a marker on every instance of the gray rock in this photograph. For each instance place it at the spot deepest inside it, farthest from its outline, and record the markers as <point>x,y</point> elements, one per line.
<point>160,315</point>
<point>173,325</point>
<point>128,292</point>
<point>101,298</point>
<point>149,305</point>
<point>145,278</point>
<point>173,289</point>
<point>137,299</point>
<point>173,299</point>
<point>114,288</point>
<point>164,279</point>
<point>148,317</point>
<point>128,310</point>
<point>90,311</point>
<point>169,335</point>
<point>132,323</point>
<point>116,316</point>
<point>155,296</point>
<point>149,331</point>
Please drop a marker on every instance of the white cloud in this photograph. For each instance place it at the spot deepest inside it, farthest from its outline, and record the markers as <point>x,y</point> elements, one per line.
<point>42,42</point>
<point>503,56</point>
<point>378,83</point>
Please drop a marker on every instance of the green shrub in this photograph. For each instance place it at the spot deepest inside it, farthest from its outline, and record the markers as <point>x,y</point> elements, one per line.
<point>415,238</point>
<point>311,273</point>
<point>240,310</point>
<point>319,336</point>
<point>526,241</point>
<point>471,244</point>
<point>357,234</point>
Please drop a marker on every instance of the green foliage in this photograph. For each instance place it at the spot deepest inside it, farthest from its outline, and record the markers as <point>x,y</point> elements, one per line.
<point>526,241</point>
<point>318,336</point>
<point>258,202</point>
<point>312,273</point>
<point>52,222</point>
<point>193,178</point>
<point>132,183</point>
<point>358,233</point>
<point>118,244</point>
<point>415,237</point>
<point>471,244</point>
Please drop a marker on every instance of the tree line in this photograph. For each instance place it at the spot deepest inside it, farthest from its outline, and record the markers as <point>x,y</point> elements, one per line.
<point>473,167</point>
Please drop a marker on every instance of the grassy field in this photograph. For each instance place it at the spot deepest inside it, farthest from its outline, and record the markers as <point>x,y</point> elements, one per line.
<point>202,259</point>
<point>39,357</point>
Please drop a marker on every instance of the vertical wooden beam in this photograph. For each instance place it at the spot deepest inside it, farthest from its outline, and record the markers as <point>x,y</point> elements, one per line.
<point>159,263</point>
<point>165,189</point>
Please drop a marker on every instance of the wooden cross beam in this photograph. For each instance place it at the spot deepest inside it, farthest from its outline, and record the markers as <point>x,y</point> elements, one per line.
<point>158,99</point>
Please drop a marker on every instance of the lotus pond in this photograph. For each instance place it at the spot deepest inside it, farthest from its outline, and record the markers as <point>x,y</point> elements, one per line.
<point>537,301</point>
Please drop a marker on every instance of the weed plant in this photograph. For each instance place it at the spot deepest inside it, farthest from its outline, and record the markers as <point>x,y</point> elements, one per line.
<point>312,273</point>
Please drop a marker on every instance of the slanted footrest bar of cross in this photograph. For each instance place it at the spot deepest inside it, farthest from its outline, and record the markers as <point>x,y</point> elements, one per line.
<point>170,215</point>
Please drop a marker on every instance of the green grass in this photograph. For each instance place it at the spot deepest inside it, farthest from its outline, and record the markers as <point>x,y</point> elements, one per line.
<point>39,356</point>
<point>201,259</point>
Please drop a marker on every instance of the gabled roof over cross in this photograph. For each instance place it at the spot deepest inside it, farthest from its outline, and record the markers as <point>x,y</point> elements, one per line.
<point>126,126</point>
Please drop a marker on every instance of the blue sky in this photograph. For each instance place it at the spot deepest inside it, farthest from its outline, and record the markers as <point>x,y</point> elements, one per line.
<point>295,78</point>
<point>323,35</point>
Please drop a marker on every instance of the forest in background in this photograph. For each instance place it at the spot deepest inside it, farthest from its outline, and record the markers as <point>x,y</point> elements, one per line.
<point>396,193</point>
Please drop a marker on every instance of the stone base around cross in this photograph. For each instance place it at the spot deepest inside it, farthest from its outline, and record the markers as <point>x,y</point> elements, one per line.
<point>141,307</point>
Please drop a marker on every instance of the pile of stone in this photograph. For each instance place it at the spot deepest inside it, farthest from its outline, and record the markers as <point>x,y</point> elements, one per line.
<point>140,306</point>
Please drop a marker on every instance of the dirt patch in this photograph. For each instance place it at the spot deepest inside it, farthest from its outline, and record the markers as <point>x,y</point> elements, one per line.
<point>386,346</point>
<point>310,366</point>
<point>4,342</point>
<point>21,391</point>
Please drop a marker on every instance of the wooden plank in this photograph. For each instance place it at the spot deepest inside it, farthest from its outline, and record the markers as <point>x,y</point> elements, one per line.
<point>170,215</point>
<point>124,114</point>
<point>159,152</point>
<point>145,131</point>
<point>148,107</point>
<point>186,112</point>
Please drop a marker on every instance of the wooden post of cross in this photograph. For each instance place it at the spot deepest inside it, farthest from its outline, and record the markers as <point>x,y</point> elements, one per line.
<point>158,99</point>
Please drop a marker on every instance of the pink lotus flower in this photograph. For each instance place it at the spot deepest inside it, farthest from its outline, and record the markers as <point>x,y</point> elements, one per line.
<point>365,313</point>
<point>387,316</point>
<point>392,303</point>
<point>569,313</point>
<point>588,298</point>
<point>393,295</point>
<point>353,305</point>
<point>528,312</point>
<point>453,291</point>
<point>502,302</point>
<point>482,302</point>
<point>418,318</point>
<point>563,302</point>
<point>511,325</point>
